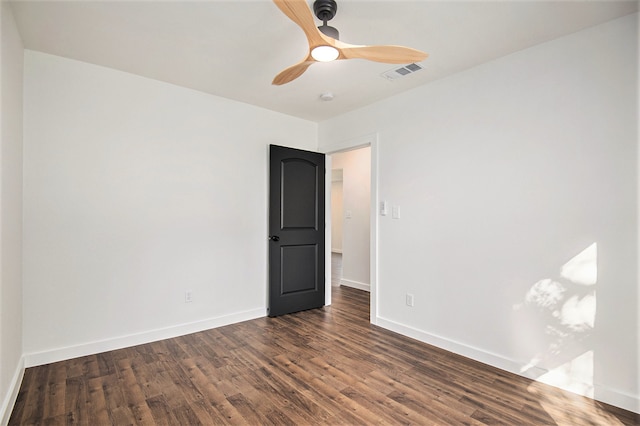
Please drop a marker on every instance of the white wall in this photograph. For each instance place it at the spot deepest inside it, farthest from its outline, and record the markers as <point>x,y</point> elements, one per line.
<point>356,194</point>
<point>505,174</point>
<point>134,192</point>
<point>11,365</point>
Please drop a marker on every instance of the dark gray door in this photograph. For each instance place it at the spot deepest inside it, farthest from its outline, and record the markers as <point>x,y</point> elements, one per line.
<point>296,230</point>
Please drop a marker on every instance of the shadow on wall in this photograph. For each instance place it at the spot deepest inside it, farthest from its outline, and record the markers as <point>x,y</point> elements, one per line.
<point>566,304</point>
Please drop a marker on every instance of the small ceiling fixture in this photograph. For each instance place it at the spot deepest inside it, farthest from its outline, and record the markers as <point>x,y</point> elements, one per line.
<point>326,97</point>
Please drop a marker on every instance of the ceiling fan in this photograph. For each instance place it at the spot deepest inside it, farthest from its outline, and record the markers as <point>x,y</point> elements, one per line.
<point>324,45</point>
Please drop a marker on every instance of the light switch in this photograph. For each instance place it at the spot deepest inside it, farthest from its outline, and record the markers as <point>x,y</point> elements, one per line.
<point>395,212</point>
<point>384,208</point>
<point>348,214</point>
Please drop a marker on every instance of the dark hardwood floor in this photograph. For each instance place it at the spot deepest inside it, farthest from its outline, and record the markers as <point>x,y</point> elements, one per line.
<point>323,366</point>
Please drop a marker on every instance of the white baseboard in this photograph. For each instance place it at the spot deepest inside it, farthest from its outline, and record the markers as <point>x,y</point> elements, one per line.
<point>601,393</point>
<point>617,398</point>
<point>90,348</point>
<point>452,346</point>
<point>355,284</point>
<point>12,393</point>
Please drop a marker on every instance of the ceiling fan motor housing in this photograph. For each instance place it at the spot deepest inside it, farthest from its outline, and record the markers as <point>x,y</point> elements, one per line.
<point>325,10</point>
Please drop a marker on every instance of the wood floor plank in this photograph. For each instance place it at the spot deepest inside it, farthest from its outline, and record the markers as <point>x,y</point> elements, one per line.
<point>97,409</point>
<point>323,366</point>
<point>222,410</point>
<point>76,400</point>
<point>56,421</point>
<point>34,400</point>
<point>160,411</point>
<point>142,414</point>
<point>326,394</point>
<point>133,393</point>
<point>54,403</point>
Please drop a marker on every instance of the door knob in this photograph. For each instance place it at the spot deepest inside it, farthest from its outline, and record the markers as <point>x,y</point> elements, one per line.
<point>274,238</point>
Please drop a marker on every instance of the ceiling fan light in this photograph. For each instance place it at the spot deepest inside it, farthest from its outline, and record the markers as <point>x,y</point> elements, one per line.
<point>325,53</point>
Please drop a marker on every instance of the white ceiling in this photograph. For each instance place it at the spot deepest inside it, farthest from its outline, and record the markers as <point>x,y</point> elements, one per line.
<point>234,48</point>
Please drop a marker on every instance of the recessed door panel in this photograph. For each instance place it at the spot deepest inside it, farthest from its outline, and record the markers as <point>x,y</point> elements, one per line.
<point>299,194</point>
<point>299,269</point>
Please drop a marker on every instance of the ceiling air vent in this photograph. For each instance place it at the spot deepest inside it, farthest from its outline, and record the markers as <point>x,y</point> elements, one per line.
<point>396,73</point>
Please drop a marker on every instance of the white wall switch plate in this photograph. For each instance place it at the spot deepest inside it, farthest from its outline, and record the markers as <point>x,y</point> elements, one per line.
<point>384,208</point>
<point>395,212</point>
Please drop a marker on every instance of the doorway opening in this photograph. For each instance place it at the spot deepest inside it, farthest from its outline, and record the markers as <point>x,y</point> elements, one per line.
<point>337,218</point>
<point>351,214</point>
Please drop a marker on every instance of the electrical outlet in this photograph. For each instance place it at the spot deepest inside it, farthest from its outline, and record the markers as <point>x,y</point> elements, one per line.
<point>409,299</point>
<point>188,296</point>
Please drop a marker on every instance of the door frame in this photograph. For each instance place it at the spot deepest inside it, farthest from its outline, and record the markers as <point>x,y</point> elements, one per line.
<point>372,141</point>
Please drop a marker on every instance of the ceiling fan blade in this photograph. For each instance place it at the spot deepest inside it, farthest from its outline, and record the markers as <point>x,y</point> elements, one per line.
<point>291,73</point>
<point>385,54</point>
<point>298,11</point>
